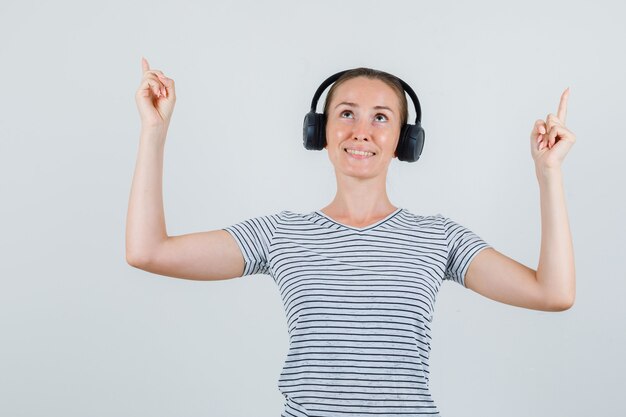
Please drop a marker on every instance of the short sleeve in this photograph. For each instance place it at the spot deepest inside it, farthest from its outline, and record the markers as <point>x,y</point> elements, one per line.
<point>463,245</point>
<point>254,236</point>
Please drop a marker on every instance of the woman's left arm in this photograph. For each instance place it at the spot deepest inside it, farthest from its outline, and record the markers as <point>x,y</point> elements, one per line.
<point>552,287</point>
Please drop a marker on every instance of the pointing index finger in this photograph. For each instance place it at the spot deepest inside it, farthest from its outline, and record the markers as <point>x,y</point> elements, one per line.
<point>562,111</point>
<point>144,64</point>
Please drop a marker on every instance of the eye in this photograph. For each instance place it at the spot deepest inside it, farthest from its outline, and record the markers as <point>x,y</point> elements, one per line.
<point>345,111</point>
<point>382,115</point>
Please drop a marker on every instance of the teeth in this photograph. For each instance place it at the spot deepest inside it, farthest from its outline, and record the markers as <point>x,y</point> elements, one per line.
<point>359,152</point>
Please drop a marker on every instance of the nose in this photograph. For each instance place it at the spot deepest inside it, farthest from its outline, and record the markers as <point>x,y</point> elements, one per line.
<point>362,129</point>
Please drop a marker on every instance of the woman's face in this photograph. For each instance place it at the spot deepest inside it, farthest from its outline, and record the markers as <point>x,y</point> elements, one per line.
<point>364,115</point>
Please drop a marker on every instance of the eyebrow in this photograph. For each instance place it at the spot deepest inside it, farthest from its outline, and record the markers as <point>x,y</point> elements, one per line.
<point>356,105</point>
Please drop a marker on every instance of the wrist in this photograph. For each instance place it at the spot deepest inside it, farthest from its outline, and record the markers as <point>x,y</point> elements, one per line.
<point>153,133</point>
<point>548,173</point>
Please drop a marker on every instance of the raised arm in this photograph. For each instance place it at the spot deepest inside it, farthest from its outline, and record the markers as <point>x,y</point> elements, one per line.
<point>212,255</point>
<point>552,287</point>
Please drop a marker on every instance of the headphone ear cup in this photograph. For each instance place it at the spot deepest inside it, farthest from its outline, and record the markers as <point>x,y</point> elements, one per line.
<point>314,131</point>
<point>411,143</point>
<point>401,141</point>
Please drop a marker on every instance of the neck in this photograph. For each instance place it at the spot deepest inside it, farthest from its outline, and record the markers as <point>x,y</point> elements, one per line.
<point>360,200</point>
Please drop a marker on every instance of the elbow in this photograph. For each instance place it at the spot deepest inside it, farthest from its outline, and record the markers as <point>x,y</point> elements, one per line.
<point>137,255</point>
<point>141,256</point>
<point>136,260</point>
<point>570,302</point>
<point>562,303</point>
<point>560,298</point>
<point>565,305</point>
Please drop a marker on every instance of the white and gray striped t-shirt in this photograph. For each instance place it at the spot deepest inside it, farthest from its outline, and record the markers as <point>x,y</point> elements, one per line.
<point>359,304</point>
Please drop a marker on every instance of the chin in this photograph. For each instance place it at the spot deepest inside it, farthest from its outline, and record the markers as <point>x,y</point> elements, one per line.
<point>359,173</point>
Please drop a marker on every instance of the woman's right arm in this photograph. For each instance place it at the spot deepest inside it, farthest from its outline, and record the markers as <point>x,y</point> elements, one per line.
<point>212,255</point>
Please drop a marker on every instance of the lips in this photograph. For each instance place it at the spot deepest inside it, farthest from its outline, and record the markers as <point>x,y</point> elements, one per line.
<point>358,156</point>
<point>358,149</point>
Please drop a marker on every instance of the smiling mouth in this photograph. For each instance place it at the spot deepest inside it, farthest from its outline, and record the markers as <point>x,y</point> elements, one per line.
<point>359,154</point>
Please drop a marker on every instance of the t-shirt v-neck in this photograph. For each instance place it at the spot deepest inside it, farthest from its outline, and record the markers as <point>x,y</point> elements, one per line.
<point>360,229</point>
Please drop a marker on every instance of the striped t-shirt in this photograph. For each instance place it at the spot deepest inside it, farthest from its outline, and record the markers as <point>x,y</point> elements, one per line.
<point>359,305</point>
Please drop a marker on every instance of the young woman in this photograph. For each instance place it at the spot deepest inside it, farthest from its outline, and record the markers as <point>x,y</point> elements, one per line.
<point>358,278</point>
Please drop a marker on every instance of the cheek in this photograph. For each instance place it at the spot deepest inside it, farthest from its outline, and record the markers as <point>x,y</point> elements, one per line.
<point>336,130</point>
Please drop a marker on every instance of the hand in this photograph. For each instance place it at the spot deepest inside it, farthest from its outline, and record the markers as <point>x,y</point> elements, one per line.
<point>155,97</point>
<point>550,140</point>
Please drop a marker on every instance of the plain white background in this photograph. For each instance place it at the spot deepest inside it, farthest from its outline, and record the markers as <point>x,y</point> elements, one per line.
<point>85,334</point>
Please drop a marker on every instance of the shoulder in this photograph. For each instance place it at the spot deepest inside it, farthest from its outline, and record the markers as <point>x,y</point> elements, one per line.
<point>291,219</point>
<point>291,216</point>
<point>431,221</point>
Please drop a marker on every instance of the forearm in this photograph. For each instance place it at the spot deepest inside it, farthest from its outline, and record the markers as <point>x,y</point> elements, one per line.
<point>145,221</point>
<point>555,272</point>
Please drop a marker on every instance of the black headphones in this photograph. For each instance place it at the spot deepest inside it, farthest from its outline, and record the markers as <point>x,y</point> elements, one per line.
<point>411,140</point>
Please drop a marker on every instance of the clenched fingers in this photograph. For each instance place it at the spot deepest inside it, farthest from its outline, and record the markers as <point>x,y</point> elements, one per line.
<point>159,83</point>
<point>168,83</point>
<point>539,129</point>
<point>557,130</point>
<point>155,85</point>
